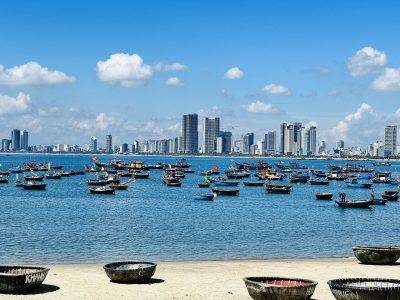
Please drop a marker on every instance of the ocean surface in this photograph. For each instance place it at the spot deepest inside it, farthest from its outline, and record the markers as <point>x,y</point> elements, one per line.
<point>150,221</point>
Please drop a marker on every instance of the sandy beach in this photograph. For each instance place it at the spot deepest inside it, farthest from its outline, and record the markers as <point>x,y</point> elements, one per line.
<point>197,280</point>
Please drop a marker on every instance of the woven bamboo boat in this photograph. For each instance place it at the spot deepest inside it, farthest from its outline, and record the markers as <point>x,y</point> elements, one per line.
<point>130,271</point>
<point>365,289</point>
<point>385,255</point>
<point>14,279</point>
<point>279,288</point>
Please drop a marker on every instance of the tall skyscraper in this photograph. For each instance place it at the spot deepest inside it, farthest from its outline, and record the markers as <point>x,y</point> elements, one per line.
<point>390,147</point>
<point>109,145</point>
<point>283,145</point>
<point>190,133</point>
<point>93,144</point>
<point>211,132</point>
<point>322,147</point>
<point>340,144</point>
<point>224,142</point>
<point>5,145</point>
<point>270,143</point>
<point>312,140</point>
<point>15,140</point>
<point>248,141</point>
<point>24,140</point>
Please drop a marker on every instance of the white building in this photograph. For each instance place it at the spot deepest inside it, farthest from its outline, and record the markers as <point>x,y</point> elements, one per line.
<point>390,147</point>
<point>211,132</point>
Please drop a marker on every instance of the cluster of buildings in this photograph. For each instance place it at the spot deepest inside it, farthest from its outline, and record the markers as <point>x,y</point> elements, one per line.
<point>293,140</point>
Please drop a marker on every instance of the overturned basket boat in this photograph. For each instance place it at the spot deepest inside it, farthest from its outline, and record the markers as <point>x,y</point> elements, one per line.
<point>279,288</point>
<point>14,279</point>
<point>384,255</point>
<point>365,289</point>
<point>130,271</point>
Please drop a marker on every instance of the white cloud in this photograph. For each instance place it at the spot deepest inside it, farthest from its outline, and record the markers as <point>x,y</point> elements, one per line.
<point>276,89</point>
<point>173,81</point>
<point>170,67</point>
<point>259,107</point>
<point>32,73</point>
<point>389,80</point>
<point>128,70</point>
<point>366,61</point>
<point>9,105</point>
<point>397,113</point>
<point>233,73</point>
<point>311,123</point>
<point>103,121</point>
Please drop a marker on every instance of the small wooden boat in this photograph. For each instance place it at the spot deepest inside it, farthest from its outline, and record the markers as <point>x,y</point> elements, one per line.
<point>130,271</point>
<point>355,183</point>
<point>18,279</point>
<point>140,175</point>
<point>65,173</point>
<point>354,203</point>
<point>365,288</point>
<point>4,173</point>
<point>319,182</point>
<point>174,183</point>
<point>205,196</point>
<point>279,189</point>
<point>97,182</point>
<point>226,183</point>
<point>225,191</point>
<point>204,184</point>
<point>102,190</point>
<point>279,288</point>
<point>33,177</point>
<point>3,179</point>
<point>53,176</point>
<point>31,185</point>
<point>391,195</point>
<point>119,186</point>
<point>253,183</point>
<point>381,255</point>
<point>337,176</point>
<point>324,196</point>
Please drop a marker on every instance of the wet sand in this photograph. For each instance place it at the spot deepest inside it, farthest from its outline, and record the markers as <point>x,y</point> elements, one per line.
<point>198,280</point>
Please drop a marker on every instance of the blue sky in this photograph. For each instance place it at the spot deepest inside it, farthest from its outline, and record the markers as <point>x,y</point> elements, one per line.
<point>301,49</point>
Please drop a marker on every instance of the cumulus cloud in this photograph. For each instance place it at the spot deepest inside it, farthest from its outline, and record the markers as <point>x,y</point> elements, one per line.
<point>389,80</point>
<point>103,121</point>
<point>358,126</point>
<point>10,105</point>
<point>170,67</point>
<point>276,89</point>
<point>173,81</point>
<point>125,69</point>
<point>259,107</point>
<point>233,73</point>
<point>32,73</point>
<point>366,61</point>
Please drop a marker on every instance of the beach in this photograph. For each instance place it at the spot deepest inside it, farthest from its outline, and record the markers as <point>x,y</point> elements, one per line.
<point>198,279</point>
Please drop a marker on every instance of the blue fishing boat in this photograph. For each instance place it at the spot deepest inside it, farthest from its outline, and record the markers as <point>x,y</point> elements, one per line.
<point>205,196</point>
<point>355,183</point>
<point>226,183</point>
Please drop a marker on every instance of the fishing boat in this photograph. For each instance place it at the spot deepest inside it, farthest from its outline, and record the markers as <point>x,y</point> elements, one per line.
<point>355,183</point>
<point>204,184</point>
<point>5,173</point>
<point>33,177</point>
<point>3,179</point>
<point>224,182</point>
<point>55,175</point>
<point>323,196</point>
<point>226,191</point>
<point>76,172</point>
<point>319,182</point>
<point>31,185</point>
<point>174,183</point>
<point>391,195</point>
<point>102,190</point>
<point>318,173</point>
<point>338,176</point>
<point>140,174</point>
<point>119,186</point>
<point>352,203</point>
<point>299,177</point>
<point>381,177</point>
<point>65,173</point>
<point>279,189</point>
<point>253,183</point>
<point>205,196</point>
<point>16,170</point>
<point>97,182</point>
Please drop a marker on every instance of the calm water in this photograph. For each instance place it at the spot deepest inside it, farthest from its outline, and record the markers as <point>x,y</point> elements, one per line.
<point>151,221</point>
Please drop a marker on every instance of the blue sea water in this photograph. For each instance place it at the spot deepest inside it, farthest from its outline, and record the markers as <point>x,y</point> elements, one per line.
<point>150,221</point>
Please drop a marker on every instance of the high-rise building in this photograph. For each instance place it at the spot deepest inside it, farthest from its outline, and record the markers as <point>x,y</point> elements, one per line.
<point>390,147</point>
<point>270,143</point>
<point>109,145</point>
<point>24,140</point>
<point>190,133</point>
<point>339,145</point>
<point>5,145</point>
<point>136,147</point>
<point>248,141</point>
<point>283,146</point>
<point>376,149</point>
<point>93,144</point>
<point>224,142</point>
<point>312,140</point>
<point>15,140</point>
<point>322,147</point>
<point>211,131</point>
<point>124,148</point>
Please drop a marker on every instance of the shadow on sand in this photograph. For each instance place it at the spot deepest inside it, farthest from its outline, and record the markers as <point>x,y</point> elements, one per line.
<point>151,281</point>
<point>42,289</point>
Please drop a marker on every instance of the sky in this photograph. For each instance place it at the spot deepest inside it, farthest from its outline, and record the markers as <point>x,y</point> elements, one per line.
<point>70,70</point>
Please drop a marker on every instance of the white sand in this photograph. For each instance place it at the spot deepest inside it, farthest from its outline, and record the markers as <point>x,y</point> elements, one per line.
<point>199,280</point>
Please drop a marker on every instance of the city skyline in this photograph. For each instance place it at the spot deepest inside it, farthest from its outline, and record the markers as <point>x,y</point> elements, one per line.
<point>257,76</point>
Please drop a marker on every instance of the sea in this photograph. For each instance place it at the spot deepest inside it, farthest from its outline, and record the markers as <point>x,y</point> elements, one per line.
<point>150,221</point>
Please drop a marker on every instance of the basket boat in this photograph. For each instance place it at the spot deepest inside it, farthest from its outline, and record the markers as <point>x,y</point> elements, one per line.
<point>365,289</point>
<point>384,255</point>
<point>130,271</point>
<point>279,288</point>
<point>14,279</point>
